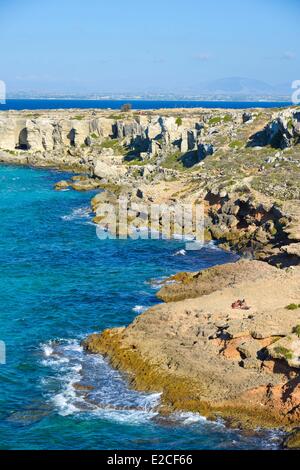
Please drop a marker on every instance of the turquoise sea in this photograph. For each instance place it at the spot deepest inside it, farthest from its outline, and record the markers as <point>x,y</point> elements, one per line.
<point>58,283</point>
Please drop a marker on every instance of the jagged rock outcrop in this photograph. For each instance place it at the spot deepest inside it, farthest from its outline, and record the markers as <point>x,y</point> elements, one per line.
<point>281,132</point>
<point>204,150</point>
<point>104,169</point>
<point>145,137</point>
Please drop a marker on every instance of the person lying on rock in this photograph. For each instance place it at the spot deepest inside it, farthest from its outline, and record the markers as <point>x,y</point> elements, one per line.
<point>241,304</point>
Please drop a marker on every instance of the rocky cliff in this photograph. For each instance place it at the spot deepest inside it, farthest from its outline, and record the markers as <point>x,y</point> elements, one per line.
<point>243,165</point>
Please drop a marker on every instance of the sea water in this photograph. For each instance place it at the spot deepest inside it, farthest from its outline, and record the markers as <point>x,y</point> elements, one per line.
<point>59,283</point>
<point>21,104</point>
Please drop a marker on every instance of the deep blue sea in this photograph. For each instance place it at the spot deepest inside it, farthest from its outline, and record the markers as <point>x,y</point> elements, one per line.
<point>58,283</point>
<point>136,104</point>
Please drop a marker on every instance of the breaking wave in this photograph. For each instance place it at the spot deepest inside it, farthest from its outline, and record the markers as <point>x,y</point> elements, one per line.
<point>86,385</point>
<point>78,214</point>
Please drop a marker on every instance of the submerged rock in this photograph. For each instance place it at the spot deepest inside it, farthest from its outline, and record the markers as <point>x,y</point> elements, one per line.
<point>62,185</point>
<point>292,441</point>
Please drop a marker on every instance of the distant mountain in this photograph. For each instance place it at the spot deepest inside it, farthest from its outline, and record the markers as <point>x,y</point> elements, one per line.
<point>239,86</point>
<point>226,89</point>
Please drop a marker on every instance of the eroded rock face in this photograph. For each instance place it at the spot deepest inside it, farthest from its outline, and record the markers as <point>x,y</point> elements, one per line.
<point>204,150</point>
<point>280,133</point>
<point>46,133</point>
<point>255,226</point>
<point>153,136</point>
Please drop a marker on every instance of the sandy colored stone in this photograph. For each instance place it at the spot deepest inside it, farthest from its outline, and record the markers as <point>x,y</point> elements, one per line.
<point>186,350</point>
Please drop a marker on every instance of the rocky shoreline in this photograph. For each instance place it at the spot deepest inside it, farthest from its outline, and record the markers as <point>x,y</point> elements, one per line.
<point>201,348</point>
<point>242,365</point>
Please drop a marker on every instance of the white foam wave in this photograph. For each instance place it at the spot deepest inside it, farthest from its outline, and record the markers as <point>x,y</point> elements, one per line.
<point>102,391</point>
<point>180,253</point>
<point>139,309</point>
<point>77,214</point>
<point>212,245</point>
<point>190,418</point>
<point>104,394</point>
<point>48,350</point>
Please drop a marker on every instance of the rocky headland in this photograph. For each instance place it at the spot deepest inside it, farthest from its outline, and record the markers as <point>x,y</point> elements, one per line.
<point>201,348</point>
<point>205,356</point>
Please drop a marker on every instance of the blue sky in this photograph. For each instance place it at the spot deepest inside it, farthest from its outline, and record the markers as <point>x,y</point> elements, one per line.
<point>137,46</point>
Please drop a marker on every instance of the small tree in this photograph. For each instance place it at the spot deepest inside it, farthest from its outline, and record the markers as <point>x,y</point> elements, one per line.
<point>126,107</point>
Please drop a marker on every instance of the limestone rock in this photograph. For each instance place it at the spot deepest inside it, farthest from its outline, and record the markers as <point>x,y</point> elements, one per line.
<point>204,150</point>
<point>62,185</point>
<point>103,170</point>
<point>247,117</point>
<point>288,349</point>
<point>293,249</point>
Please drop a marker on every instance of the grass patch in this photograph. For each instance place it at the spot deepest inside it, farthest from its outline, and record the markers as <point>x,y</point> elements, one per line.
<point>94,136</point>
<point>214,120</point>
<point>113,188</point>
<point>227,118</point>
<point>296,330</point>
<point>79,117</point>
<point>173,161</point>
<point>286,353</point>
<point>116,117</point>
<point>113,144</point>
<point>236,144</point>
<point>292,306</point>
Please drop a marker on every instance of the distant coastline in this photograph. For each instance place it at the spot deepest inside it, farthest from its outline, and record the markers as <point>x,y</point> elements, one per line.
<point>138,104</point>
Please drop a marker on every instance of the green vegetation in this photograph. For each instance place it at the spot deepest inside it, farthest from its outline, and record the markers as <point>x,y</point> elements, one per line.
<point>134,161</point>
<point>290,124</point>
<point>270,181</point>
<point>113,188</point>
<point>79,117</point>
<point>136,173</point>
<point>292,306</point>
<point>12,152</point>
<point>282,351</point>
<point>116,117</point>
<point>296,330</point>
<point>227,118</point>
<point>219,119</point>
<point>179,121</point>
<point>113,144</point>
<point>33,115</point>
<point>236,144</point>
<point>94,136</point>
<point>173,161</point>
<point>215,120</point>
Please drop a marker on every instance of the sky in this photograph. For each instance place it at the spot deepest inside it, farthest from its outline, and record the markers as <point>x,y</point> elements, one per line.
<point>86,46</point>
